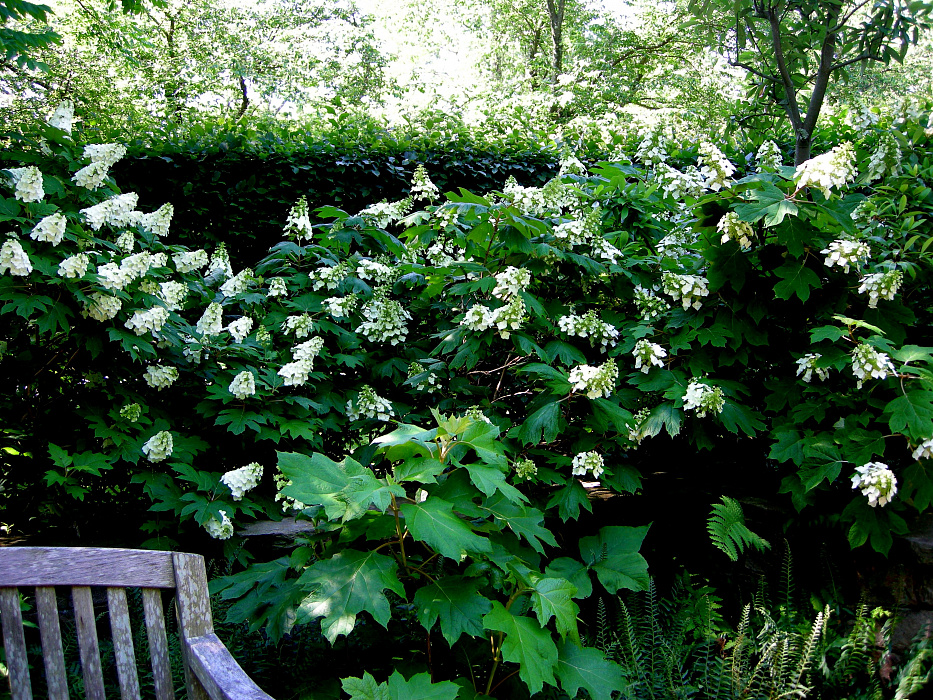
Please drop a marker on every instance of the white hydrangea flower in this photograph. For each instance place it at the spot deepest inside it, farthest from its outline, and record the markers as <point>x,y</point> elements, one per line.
<point>769,157</point>
<point>510,317</point>
<point>384,320</point>
<point>219,530</point>
<point>375,270</point>
<point>843,252</point>
<point>510,282</point>
<point>106,153</point>
<point>421,185</point>
<point>881,285</point>
<point>588,462</point>
<point>528,200</point>
<point>112,276</point>
<point>476,413</point>
<point>835,168</point>
<point>241,480</point>
<point>220,262</point>
<point>300,326</point>
<point>298,221</point>
<point>636,431</point>
<point>27,183</point>
<point>190,260</point>
<point>686,288</point>
<point>877,482</point>
<point>579,231</point>
<point>147,320</point>
<point>159,446</point>
<point>653,147</point>
<point>240,328</point>
<point>243,385</point>
<point>308,350</point>
<point>137,265</point>
<point>160,377</point>
<point>595,381</point>
<point>679,183</point>
<point>525,469</point>
<point>570,165</point>
<point>427,383</point>
<point>478,318</point>
<point>886,160</point>
<point>157,222</point>
<point>295,373</point>
<point>649,304</point>
<point>447,216</point>
<point>288,503</point>
<point>340,307</point>
<point>703,399</point>
<point>277,288</point>
<point>385,213</point>
<point>237,284</point>
<point>50,229</point>
<point>149,286</point>
<point>102,307</point>
<point>173,294</point>
<point>126,242</point>
<point>868,362</point>
<point>369,405</point>
<point>806,366</point>
<point>647,354</point>
<point>328,277</point>
<point>211,321</point>
<point>91,176</point>
<point>714,167</point>
<point>591,327</point>
<point>131,412</point>
<point>116,211</point>
<point>733,228</point>
<point>63,115</point>
<point>924,450</point>
<point>74,266</point>
<point>14,259</point>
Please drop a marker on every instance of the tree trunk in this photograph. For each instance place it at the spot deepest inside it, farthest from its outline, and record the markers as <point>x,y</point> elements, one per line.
<point>555,12</point>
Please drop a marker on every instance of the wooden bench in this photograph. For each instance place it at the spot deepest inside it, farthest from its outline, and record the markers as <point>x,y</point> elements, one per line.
<point>210,670</point>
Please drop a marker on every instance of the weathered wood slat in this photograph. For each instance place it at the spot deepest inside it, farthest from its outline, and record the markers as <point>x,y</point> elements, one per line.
<point>122,636</point>
<point>193,607</point>
<point>87,643</point>
<point>80,566</point>
<point>50,631</point>
<point>158,643</point>
<point>219,673</point>
<point>15,644</point>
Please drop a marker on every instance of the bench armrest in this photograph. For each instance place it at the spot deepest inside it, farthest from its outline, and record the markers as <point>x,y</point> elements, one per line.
<point>218,671</point>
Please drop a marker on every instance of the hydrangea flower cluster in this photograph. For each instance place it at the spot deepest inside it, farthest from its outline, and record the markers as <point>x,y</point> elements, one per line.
<point>243,385</point>
<point>277,288</point>
<point>190,260</point>
<point>579,231</point>
<point>298,222</point>
<point>595,381</point>
<point>924,450</point>
<point>876,482</point>
<point>427,383</point>
<point>769,157</point>
<point>835,168</point>
<point>241,480</point>
<point>237,284</point>
<point>688,289</point>
<point>570,165</point>
<point>219,529</point>
<point>385,213</point>
<point>288,503</point>
<point>447,217</point>
<point>340,307</point>
<point>328,277</point>
<point>126,242</point>
<point>156,222</point>
<point>112,276</point>
<point>240,328</point>
<point>27,183</point>
<point>844,253</point>
<point>374,270</point>
<point>636,431</point>
<point>116,211</point>
<point>385,319</point>
<point>308,350</point>
<point>300,326</point>
<point>421,185</point>
<point>444,253</point>
<point>369,405</point>
<point>131,412</point>
<point>525,469</point>
<point>679,183</point>
<point>590,326</point>
<point>585,462</point>
<point>649,304</point>
<point>476,413</point>
<point>703,398</point>
<point>159,447</point>
<point>211,321</point>
<point>510,317</point>
<point>220,263</point>
<point>148,320</point>
<point>714,167</point>
<point>295,373</point>
<point>102,157</point>
<point>511,281</point>
<point>733,228</point>
<point>160,377</point>
<point>886,160</point>
<point>881,285</point>
<point>806,366</point>
<point>102,307</point>
<point>50,229</point>
<point>72,267</point>
<point>63,115</point>
<point>528,200</point>
<point>868,362</point>
<point>647,354</point>
<point>14,259</point>
<point>653,147</point>
<point>173,294</point>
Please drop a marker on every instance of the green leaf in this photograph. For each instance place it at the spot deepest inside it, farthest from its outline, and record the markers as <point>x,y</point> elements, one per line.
<point>666,416</point>
<point>397,688</point>
<point>553,597</point>
<point>456,602</point>
<point>345,585</point>
<point>527,644</point>
<point>491,479</point>
<point>797,279</point>
<point>585,667</point>
<point>567,353</point>
<point>569,499</point>
<point>826,333</point>
<point>239,419</point>
<point>423,470</point>
<point>573,571</point>
<point>524,521</point>
<point>608,413</point>
<point>787,447</point>
<point>913,410</point>
<point>543,424</point>
<point>735,417</point>
<point>434,522</point>
<point>613,555</point>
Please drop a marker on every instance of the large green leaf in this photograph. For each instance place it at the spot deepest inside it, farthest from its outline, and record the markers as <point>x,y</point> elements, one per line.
<point>345,585</point>
<point>585,667</point>
<point>913,410</point>
<point>397,688</point>
<point>543,424</point>
<point>524,521</point>
<point>573,571</point>
<point>456,602</point>
<point>613,555</point>
<point>433,522</point>
<point>553,597</point>
<point>796,278</point>
<point>527,644</point>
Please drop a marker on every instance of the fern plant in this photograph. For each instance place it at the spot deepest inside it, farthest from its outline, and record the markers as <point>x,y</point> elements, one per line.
<point>727,529</point>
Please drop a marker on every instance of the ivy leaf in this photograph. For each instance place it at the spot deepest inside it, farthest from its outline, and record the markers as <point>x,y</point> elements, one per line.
<point>527,644</point>
<point>456,601</point>
<point>543,424</point>
<point>914,410</point>
<point>613,555</point>
<point>797,279</point>
<point>344,586</point>
<point>433,522</point>
<point>585,667</point>
<point>553,597</point>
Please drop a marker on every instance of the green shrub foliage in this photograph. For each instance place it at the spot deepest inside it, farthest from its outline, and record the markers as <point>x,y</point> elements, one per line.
<point>430,382</point>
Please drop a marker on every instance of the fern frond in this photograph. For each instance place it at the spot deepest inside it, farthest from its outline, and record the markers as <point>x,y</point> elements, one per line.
<point>787,580</point>
<point>726,526</point>
<point>916,673</point>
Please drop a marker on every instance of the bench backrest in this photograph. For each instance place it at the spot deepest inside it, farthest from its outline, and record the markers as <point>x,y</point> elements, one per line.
<point>114,570</point>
